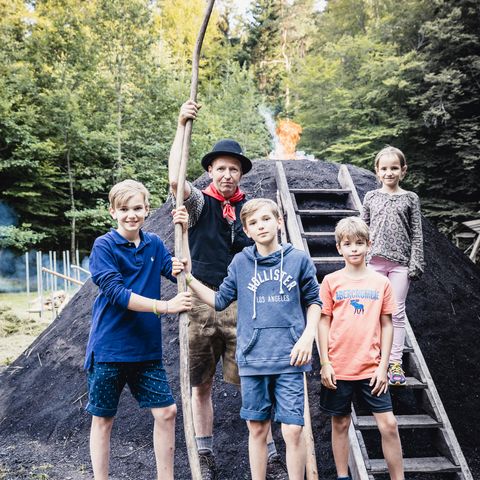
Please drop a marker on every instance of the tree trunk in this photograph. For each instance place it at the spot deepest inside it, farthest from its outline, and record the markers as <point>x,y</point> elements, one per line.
<point>72,203</point>
<point>288,66</point>
<point>119,133</point>
<point>119,93</point>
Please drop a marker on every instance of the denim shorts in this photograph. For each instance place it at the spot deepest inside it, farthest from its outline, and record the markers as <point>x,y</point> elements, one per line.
<point>339,402</point>
<point>282,394</point>
<point>147,382</point>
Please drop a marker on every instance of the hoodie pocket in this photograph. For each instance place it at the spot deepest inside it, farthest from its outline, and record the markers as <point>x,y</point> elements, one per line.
<point>270,343</point>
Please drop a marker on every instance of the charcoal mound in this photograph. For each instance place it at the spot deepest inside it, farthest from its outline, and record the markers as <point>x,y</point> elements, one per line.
<point>43,426</point>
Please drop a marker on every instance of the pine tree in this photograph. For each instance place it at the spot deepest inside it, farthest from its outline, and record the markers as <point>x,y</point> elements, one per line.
<point>262,48</point>
<point>449,109</point>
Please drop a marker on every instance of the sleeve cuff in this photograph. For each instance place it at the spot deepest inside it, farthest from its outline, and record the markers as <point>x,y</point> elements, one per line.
<point>125,299</point>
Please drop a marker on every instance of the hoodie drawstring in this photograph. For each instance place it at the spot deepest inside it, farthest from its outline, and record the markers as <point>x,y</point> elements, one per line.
<point>281,271</point>
<point>255,295</point>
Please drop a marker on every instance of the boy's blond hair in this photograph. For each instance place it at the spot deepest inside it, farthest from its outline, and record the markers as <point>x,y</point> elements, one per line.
<point>122,192</point>
<point>253,205</point>
<point>351,228</point>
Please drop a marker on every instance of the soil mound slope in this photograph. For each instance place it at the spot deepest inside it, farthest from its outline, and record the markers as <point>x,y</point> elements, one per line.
<point>43,428</point>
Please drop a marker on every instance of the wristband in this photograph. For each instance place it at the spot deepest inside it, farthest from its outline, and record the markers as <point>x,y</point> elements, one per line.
<point>154,307</point>
<point>189,279</point>
<point>325,363</point>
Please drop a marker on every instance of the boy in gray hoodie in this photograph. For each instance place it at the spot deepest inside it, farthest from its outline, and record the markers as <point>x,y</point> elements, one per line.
<point>278,313</point>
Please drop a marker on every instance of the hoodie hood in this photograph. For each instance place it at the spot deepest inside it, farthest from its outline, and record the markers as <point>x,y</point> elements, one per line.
<point>270,260</point>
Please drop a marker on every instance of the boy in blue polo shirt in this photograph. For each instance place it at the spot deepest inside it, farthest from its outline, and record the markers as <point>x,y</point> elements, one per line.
<point>125,343</point>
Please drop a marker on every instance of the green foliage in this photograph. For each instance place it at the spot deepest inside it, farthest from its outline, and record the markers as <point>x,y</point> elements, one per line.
<point>20,239</point>
<point>89,95</point>
<point>449,100</point>
<point>230,111</point>
<point>278,39</point>
<point>359,89</point>
<point>401,73</point>
<point>90,92</point>
<point>262,48</point>
<point>92,221</point>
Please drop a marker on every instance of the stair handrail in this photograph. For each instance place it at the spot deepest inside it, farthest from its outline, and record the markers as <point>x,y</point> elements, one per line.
<point>346,181</point>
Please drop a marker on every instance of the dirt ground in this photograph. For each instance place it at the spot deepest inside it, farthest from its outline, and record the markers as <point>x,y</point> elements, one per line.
<point>44,429</point>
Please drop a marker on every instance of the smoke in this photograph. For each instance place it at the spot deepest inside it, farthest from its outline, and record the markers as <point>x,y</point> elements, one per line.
<point>9,281</point>
<point>85,263</point>
<point>13,269</point>
<point>267,114</point>
<point>7,215</point>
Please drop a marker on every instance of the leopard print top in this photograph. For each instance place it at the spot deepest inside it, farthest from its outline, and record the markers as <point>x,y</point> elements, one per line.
<point>396,229</point>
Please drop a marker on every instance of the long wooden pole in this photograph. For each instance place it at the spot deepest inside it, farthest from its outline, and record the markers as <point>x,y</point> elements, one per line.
<point>183,317</point>
<point>65,277</point>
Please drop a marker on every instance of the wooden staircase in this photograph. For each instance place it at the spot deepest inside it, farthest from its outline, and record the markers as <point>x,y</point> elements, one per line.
<point>431,449</point>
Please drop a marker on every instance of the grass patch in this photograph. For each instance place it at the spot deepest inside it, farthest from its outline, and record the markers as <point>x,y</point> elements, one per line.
<point>16,301</point>
<point>11,323</point>
<point>18,327</point>
<point>15,317</point>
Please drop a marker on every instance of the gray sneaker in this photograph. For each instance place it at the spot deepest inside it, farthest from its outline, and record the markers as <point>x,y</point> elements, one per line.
<point>208,467</point>
<point>276,468</point>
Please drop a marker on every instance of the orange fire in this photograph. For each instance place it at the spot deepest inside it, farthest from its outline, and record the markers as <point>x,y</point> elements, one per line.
<point>289,134</point>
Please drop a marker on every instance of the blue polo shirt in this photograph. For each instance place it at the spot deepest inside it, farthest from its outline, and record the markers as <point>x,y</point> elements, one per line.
<point>119,268</point>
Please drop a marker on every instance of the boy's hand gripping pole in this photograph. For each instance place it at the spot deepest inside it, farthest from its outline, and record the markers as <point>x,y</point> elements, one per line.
<point>183,317</point>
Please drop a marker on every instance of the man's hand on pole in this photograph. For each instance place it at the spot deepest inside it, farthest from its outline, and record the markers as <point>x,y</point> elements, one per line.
<point>188,111</point>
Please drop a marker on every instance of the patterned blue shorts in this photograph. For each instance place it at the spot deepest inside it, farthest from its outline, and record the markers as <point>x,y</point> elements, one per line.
<point>147,382</point>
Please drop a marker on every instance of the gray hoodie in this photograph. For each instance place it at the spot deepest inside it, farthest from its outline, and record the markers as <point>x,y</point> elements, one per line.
<point>273,293</point>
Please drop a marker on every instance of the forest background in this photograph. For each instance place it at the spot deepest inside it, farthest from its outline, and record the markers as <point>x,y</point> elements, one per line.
<point>90,91</point>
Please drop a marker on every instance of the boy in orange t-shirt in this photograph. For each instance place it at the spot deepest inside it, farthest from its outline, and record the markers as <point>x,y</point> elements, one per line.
<point>356,334</point>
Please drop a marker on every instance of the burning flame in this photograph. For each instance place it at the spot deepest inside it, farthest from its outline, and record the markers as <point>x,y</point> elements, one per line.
<point>288,133</point>
<point>285,137</point>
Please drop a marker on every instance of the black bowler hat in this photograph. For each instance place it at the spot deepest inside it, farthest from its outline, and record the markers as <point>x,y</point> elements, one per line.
<point>229,148</point>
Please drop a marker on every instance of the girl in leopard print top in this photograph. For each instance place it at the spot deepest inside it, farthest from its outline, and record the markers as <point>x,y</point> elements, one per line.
<point>393,215</point>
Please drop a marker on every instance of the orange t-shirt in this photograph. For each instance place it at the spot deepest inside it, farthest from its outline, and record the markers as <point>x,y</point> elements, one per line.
<point>355,306</point>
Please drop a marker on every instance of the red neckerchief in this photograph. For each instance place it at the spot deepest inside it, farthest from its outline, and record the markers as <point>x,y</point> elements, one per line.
<point>228,210</point>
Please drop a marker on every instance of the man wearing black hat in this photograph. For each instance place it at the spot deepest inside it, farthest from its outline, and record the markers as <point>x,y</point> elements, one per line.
<point>215,236</point>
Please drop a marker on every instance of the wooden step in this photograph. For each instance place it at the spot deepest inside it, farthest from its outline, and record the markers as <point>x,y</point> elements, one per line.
<point>331,212</point>
<point>328,191</point>
<point>338,259</point>
<point>367,422</point>
<point>317,234</point>
<point>417,465</point>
